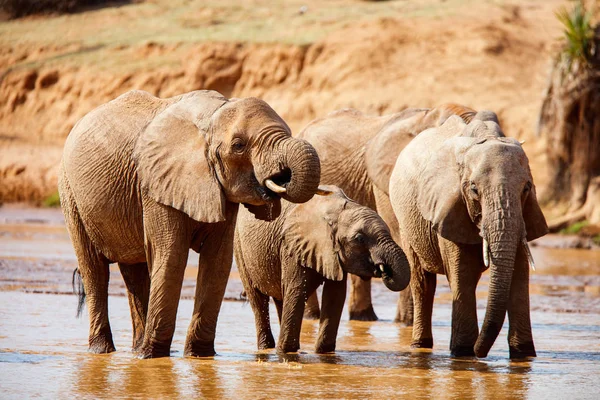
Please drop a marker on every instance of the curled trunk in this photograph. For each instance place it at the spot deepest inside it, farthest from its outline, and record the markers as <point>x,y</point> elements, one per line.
<point>304,171</point>
<point>393,265</point>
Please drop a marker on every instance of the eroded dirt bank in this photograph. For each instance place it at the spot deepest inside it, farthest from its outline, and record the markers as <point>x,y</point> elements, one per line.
<point>499,62</point>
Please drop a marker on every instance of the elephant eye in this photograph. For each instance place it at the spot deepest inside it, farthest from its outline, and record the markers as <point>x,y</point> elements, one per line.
<point>238,146</point>
<point>527,188</point>
<point>474,189</point>
<point>359,238</point>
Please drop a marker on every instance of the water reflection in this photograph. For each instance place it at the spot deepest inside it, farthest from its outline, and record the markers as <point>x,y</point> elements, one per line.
<point>43,348</point>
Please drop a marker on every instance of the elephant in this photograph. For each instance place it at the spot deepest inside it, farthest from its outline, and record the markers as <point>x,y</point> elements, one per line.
<point>465,201</point>
<point>358,153</point>
<point>313,243</point>
<point>143,179</point>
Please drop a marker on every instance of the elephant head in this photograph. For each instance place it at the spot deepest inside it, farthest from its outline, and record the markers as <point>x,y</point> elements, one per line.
<point>477,188</point>
<point>202,150</point>
<point>383,149</point>
<point>335,235</point>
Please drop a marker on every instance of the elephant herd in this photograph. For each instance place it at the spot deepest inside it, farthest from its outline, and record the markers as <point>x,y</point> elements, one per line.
<point>403,197</point>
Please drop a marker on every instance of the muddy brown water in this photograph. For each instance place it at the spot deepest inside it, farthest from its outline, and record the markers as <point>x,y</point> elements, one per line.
<point>43,346</point>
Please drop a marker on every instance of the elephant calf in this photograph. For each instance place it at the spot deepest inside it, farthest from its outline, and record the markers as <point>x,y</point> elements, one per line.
<point>319,241</point>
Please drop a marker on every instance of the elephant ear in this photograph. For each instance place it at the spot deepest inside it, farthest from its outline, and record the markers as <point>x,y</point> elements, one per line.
<point>172,160</point>
<point>309,233</point>
<point>439,195</point>
<point>382,151</point>
<point>535,222</point>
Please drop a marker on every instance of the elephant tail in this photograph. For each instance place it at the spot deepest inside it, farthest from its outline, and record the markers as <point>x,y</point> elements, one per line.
<point>79,290</point>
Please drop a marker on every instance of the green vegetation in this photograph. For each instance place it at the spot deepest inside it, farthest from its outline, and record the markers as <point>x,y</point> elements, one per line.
<point>575,228</point>
<point>579,34</point>
<point>52,201</point>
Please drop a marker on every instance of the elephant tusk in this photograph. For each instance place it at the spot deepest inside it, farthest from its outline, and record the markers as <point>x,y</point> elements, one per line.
<point>528,252</point>
<point>272,186</point>
<point>381,267</point>
<point>486,253</point>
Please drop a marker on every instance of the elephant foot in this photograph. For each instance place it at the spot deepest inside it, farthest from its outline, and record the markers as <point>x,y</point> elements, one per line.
<point>426,343</point>
<point>367,314</point>
<point>154,351</point>
<point>288,348</point>
<point>311,313</point>
<point>199,349</point>
<point>323,348</point>
<point>102,344</point>
<point>267,342</point>
<point>462,351</point>
<point>404,319</point>
<point>524,350</point>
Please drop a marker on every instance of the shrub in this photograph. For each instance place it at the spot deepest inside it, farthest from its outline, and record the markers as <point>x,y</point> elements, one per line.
<point>21,8</point>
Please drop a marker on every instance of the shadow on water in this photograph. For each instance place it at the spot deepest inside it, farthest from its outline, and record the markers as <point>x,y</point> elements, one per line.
<point>26,358</point>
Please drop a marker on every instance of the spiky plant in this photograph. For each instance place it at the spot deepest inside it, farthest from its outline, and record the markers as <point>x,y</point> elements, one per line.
<point>570,121</point>
<point>579,35</point>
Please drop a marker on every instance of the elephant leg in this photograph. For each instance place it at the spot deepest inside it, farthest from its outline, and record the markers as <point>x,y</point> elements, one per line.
<point>311,309</point>
<point>422,284</point>
<point>465,263</point>
<point>297,283</point>
<point>94,270</point>
<point>360,305</point>
<point>259,303</point>
<point>137,281</point>
<point>167,241</point>
<point>214,266</point>
<point>279,307</point>
<point>520,338</point>
<point>405,309</point>
<point>95,273</point>
<point>334,295</point>
<point>260,306</point>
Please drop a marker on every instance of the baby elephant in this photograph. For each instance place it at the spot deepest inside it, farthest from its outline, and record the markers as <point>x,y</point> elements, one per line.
<point>311,243</point>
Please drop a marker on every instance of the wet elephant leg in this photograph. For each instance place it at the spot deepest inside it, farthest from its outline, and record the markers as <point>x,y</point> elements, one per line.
<point>260,307</point>
<point>297,283</point>
<point>311,309</point>
<point>334,296</point>
<point>95,273</point>
<point>167,242</point>
<point>405,309</point>
<point>520,337</point>
<point>360,305</point>
<point>422,284</point>
<point>279,307</point>
<point>214,267</point>
<point>137,281</point>
<point>464,264</point>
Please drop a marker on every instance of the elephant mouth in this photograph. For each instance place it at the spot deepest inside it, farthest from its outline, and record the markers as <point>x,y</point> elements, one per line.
<point>276,185</point>
<point>382,270</point>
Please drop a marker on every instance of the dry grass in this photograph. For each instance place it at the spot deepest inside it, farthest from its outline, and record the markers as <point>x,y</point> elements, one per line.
<point>191,21</point>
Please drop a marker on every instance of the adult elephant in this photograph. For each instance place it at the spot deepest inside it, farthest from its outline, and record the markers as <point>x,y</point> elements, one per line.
<point>145,179</point>
<point>358,153</point>
<point>465,200</point>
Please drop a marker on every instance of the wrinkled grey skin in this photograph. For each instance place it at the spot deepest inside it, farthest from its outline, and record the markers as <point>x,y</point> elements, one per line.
<point>358,153</point>
<point>453,188</point>
<point>313,243</point>
<point>143,180</point>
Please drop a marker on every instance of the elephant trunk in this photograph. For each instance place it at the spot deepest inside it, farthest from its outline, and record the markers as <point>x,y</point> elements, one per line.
<point>300,172</point>
<point>393,265</point>
<point>502,235</point>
